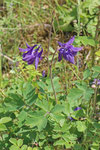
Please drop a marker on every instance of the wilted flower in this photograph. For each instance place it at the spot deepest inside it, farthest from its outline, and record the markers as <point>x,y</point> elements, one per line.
<point>77,108</point>
<point>68,51</point>
<point>32,54</point>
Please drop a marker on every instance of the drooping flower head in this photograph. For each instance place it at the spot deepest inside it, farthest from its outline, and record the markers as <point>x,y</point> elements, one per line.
<point>68,51</point>
<point>31,54</point>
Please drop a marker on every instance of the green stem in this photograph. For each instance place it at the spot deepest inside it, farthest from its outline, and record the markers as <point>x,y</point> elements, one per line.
<point>53,84</point>
<point>74,72</point>
<point>78,32</point>
<point>96,38</point>
<point>50,64</point>
<point>78,17</point>
<point>2,93</point>
<point>0,66</point>
<point>66,83</point>
<point>95,96</point>
<point>49,41</point>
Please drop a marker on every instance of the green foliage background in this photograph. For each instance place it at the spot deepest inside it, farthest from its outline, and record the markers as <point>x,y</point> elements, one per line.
<point>30,118</point>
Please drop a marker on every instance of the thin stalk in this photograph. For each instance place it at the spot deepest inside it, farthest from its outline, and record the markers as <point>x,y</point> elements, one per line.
<point>74,72</point>
<point>66,84</point>
<point>78,31</point>
<point>96,38</point>
<point>49,41</point>
<point>50,64</point>
<point>5,56</point>
<point>95,96</point>
<point>53,84</point>
<point>2,93</point>
<point>78,17</point>
<point>0,65</point>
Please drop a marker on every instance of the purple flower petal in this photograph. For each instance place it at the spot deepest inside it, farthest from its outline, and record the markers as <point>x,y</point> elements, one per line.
<point>60,57</point>
<point>70,41</point>
<point>27,49</point>
<point>36,62</point>
<point>69,58</point>
<point>60,44</point>
<point>27,45</point>
<point>71,118</point>
<point>28,58</point>
<point>76,49</point>
<point>68,51</point>
<point>77,108</point>
<point>28,53</point>
<point>31,61</point>
<point>96,81</point>
<point>37,48</point>
<point>40,53</point>
<point>23,50</point>
<point>31,54</point>
<point>43,73</point>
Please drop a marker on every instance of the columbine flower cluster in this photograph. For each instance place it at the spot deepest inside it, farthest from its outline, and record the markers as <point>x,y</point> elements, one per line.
<point>67,51</point>
<point>31,54</point>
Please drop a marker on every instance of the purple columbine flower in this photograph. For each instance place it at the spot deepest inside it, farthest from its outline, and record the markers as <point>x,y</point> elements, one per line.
<point>77,108</point>
<point>96,81</point>
<point>31,54</point>
<point>68,51</point>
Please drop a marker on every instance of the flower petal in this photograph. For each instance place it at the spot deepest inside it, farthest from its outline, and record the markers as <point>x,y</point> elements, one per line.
<point>23,50</point>
<point>37,48</point>
<point>31,61</point>
<point>28,53</point>
<point>27,57</point>
<point>27,45</point>
<point>61,50</point>
<point>34,46</point>
<point>70,58</point>
<point>36,62</point>
<point>43,73</point>
<point>40,53</point>
<point>76,49</point>
<point>77,108</point>
<point>70,41</point>
<point>74,53</point>
<point>60,44</point>
<point>60,56</point>
<point>96,81</point>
